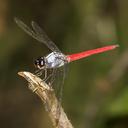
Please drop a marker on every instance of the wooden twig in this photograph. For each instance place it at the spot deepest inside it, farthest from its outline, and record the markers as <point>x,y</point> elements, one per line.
<point>47,95</point>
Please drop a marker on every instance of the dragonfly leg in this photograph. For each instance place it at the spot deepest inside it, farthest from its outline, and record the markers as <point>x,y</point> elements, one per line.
<point>45,75</point>
<point>39,72</point>
<point>51,77</point>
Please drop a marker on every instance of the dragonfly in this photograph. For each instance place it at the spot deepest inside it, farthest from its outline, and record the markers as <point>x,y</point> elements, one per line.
<point>55,60</point>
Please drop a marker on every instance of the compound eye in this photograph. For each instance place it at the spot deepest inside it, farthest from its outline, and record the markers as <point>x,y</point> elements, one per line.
<point>36,63</point>
<point>39,63</point>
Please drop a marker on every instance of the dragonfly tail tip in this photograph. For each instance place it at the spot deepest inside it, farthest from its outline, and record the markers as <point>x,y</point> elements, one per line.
<point>116,45</point>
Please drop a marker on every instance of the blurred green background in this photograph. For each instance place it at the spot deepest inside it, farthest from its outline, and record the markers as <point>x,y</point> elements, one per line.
<point>96,88</point>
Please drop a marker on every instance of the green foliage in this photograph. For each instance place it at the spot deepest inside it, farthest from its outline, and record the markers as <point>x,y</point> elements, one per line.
<point>90,85</point>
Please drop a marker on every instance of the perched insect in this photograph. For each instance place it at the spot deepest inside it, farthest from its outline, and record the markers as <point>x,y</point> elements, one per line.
<point>56,58</point>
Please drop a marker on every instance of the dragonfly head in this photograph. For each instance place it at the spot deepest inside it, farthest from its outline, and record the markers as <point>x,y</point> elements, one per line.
<point>39,63</point>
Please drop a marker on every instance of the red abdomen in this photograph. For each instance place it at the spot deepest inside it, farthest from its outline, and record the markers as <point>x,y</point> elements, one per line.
<point>84,54</point>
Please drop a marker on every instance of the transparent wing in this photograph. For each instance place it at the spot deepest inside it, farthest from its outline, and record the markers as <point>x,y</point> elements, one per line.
<point>38,34</point>
<point>43,37</point>
<point>58,86</point>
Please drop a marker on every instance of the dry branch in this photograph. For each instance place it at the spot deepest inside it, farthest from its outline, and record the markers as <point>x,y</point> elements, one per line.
<point>47,95</point>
